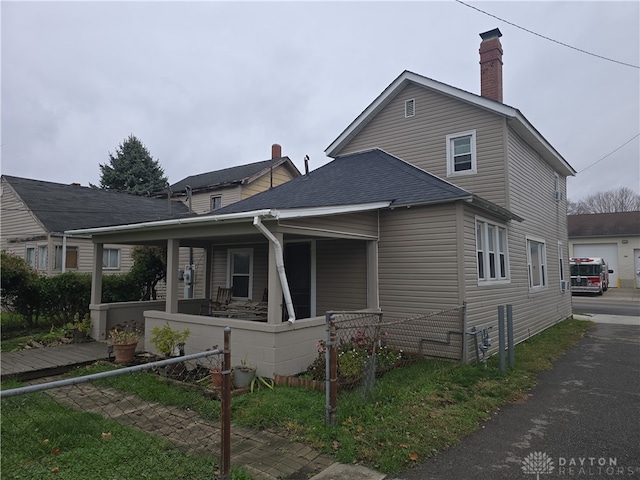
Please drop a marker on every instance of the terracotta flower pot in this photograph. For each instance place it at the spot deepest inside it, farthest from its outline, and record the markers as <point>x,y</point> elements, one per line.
<point>125,353</point>
<point>216,378</point>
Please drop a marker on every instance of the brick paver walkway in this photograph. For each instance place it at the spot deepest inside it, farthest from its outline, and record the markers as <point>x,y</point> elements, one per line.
<point>264,454</point>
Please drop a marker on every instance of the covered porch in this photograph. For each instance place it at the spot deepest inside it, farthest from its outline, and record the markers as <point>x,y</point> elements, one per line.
<point>295,264</point>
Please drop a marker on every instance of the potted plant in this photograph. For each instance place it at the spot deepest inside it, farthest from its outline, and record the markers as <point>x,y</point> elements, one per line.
<point>168,341</point>
<point>243,374</point>
<point>124,339</point>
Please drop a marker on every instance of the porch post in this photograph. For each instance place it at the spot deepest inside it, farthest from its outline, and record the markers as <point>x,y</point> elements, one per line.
<point>173,263</point>
<point>275,289</point>
<point>207,271</point>
<point>373,298</point>
<point>98,318</point>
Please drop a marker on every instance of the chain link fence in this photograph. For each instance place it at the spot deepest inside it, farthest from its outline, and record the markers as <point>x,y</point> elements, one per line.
<point>158,420</point>
<point>360,346</point>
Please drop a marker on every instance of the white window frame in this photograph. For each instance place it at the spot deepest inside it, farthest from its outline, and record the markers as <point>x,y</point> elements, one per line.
<point>499,246</point>
<point>42,258</point>
<point>231,274</point>
<point>451,157</point>
<point>541,264</point>
<point>30,261</point>
<point>410,108</point>
<point>212,202</point>
<point>108,252</point>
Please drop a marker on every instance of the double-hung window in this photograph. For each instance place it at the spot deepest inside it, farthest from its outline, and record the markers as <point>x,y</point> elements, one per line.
<point>216,202</point>
<point>30,256</point>
<point>491,251</point>
<point>241,273</point>
<point>536,263</point>
<point>461,153</point>
<point>111,258</point>
<point>42,257</point>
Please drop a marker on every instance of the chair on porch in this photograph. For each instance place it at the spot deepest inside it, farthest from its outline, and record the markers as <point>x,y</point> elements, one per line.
<point>220,303</point>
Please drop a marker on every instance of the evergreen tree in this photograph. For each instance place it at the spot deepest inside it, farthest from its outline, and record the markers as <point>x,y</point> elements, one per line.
<point>132,170</point>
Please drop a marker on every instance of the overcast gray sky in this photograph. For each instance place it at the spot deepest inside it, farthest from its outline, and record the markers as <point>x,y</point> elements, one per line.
<point>209,85</point>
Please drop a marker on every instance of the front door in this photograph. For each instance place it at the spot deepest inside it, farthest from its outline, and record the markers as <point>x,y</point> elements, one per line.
<point>297,264</point>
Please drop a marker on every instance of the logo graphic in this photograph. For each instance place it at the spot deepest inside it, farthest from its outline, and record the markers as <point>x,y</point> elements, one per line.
<point>537,463</point>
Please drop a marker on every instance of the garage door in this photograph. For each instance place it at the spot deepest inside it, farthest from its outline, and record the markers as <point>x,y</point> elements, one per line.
<point>608,251</point>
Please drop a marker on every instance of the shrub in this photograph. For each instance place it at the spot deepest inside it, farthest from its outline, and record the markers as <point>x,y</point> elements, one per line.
<point>20,288</point>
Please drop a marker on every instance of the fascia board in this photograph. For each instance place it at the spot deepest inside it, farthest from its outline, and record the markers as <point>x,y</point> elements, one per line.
<point>330,210</point>
<point>158,225</point>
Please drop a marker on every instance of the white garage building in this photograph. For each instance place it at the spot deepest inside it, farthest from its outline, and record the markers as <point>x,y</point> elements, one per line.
<point>612,236</point>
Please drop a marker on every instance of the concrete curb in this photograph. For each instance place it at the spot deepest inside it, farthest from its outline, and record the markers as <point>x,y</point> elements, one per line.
<point>340,471</point>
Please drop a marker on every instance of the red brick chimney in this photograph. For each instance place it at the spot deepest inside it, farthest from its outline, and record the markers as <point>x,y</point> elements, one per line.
<point>276,151</point>
<point>491,65</point>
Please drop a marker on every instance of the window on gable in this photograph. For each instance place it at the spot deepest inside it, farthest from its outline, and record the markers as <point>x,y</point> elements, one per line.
<point>216,202</point>
<point>491,251</point>
<point>111,258</point>
<point>241,273</point>
<point>42,257</point>
<point>30,256</point>
<point>409,108</point>
<point>461,153</point>
<point>71,258</point>
<point>536,263</point>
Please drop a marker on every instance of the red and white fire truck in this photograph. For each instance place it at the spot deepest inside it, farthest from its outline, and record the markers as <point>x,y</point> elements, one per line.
<point>589,275</point>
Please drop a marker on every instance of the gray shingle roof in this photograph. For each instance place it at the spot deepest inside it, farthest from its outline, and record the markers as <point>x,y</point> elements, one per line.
<point>61,207</point>
<point>604,224</point>
<point>364,177</point>
<point>227,176</point>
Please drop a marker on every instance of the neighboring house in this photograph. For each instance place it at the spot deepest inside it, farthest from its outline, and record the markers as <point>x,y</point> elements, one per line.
<point>612,236</point>
<point>437,197</point>
<point>35,214</point>
<point>213,190</point>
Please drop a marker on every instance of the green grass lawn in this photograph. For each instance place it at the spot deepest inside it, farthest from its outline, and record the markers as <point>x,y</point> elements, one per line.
<point>412,413</point>
<point>41,437</point>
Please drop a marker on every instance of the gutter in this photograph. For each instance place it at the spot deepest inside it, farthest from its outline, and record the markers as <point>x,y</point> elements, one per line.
<point>279,265</point>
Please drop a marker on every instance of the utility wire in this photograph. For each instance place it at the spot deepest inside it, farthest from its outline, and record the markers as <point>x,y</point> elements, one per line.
<point>547,38</point>
<point>610,153</point>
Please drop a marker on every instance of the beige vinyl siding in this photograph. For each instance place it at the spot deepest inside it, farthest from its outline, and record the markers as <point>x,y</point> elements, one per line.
<point>201,202</point>
<point>417,260</point>
<point>280,175</point>
<point>532,196</point>
<point>421,139</point>
<point>220,268</point>
<point>18,225</point>
<point>364,223</point>
<point>341,275</point>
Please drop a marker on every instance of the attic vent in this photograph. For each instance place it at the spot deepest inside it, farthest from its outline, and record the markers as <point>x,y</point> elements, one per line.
<point>409,108</point>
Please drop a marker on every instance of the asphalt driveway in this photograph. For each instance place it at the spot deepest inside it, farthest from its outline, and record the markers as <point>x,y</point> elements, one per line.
<point>582,421</point>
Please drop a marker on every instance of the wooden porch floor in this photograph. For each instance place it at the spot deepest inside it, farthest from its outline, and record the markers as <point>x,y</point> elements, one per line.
<point>39,362</point>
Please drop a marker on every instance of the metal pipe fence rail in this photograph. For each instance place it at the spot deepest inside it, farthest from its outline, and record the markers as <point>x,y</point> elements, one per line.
<point>361,346</point>
<point>154,420</point>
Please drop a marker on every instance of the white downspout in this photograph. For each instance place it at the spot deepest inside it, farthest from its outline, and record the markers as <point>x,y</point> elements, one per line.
<point>279,265</point>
